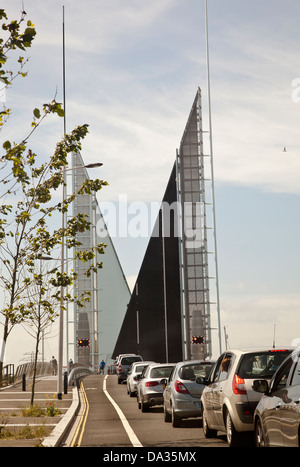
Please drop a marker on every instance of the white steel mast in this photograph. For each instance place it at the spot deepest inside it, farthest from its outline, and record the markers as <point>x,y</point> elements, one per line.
<point>212,177</point>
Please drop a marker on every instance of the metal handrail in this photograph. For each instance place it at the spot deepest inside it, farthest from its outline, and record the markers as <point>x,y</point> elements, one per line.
<point>8,374</point>
<point>42,369</point>
<point>77,373</point>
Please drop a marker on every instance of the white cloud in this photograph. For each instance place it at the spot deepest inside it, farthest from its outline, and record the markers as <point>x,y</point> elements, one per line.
<point>250,319</point>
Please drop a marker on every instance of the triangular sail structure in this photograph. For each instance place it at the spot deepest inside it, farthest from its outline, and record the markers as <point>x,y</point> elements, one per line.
<point>152,324</point>
<point>98,323</point>
<point>168,317</point>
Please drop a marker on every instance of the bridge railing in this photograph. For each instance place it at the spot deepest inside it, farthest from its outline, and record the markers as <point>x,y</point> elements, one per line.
<point>10,376</point>
<point>42,369</point>
<point>77,371</point>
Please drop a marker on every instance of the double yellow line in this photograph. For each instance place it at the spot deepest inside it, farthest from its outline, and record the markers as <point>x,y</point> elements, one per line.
<point>76,441</point>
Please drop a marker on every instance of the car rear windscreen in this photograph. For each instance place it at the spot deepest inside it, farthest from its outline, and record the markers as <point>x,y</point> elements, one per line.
<point>191,372</point>
<point>139,368</point>
<point>261,364</point>
<point>130,360</point>
<point>161,372</point>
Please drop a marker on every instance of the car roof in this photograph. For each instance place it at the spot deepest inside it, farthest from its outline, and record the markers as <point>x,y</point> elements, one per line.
<point>124,355</point>
<point>258,349</point>
<point>141,362</point>
<point>161,364</point>
<point>196,362</point>
<point>129,355</point>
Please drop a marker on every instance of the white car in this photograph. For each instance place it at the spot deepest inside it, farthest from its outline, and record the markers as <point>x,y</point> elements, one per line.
<point>228,400</point>
<point>150,387</point>
<point>135,370</point>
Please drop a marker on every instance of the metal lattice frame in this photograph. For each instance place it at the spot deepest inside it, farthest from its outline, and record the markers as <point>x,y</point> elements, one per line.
<point>84,317</point>
<point>194,255</point>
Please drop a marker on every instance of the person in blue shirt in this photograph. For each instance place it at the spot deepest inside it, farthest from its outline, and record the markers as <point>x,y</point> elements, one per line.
<point>101,367</point>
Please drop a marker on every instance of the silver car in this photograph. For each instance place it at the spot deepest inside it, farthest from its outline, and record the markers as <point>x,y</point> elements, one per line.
<point>228,400</point>
<point>277,415</point>
<point>150,388</point>
<point>183,391</point>
<point>135,370</point>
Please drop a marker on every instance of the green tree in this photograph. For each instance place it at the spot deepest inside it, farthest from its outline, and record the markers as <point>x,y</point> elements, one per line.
<point>43,308</point>
<point>29,200</point>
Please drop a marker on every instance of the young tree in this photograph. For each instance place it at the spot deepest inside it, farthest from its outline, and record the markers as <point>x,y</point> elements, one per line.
<point>43,312</point>
<point>29,201</point>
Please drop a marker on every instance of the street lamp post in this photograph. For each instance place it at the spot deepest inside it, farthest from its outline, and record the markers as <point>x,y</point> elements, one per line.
<point>61,314</point>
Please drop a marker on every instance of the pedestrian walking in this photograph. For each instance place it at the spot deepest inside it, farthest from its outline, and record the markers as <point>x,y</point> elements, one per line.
<point>101,367</point>
<point>54,366</point>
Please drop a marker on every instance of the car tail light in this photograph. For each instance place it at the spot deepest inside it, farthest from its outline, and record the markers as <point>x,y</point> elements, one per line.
<point>180,387</point>
<point>149,384</point>
<point>238,385</point>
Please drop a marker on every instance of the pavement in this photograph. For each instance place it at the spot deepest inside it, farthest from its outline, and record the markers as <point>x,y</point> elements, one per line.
<point>42,431</point>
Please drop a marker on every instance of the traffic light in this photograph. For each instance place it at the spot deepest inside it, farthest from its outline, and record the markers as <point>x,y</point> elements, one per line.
<point>197,339</point>
<point>83,343</point>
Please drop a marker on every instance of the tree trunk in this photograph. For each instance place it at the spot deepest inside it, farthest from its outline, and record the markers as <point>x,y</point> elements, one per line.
<point>5,334</point>
<point>35,365</point>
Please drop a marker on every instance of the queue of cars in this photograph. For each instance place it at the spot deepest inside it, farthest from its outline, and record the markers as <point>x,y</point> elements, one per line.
<point>254,392</point>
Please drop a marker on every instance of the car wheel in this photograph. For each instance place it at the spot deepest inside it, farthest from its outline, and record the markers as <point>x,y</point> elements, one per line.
<point>144,407</point>
<point>208,432</point>
<point>167,416</point>
<point>176,421</point>
<point>260,441</point>
<point>233,437</point>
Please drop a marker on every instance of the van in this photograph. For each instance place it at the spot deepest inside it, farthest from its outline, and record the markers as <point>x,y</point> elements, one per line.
<point>123,364</point>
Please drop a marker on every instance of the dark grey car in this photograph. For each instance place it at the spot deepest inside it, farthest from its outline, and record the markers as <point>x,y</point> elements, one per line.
<point>277,415</point>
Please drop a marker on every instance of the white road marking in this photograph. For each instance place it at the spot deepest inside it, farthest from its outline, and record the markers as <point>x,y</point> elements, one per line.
<point>132,436</point>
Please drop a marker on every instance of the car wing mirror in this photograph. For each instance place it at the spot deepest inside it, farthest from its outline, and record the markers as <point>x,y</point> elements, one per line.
<point>164,382</point>
<point>260,385</point>
<point>201,380</point>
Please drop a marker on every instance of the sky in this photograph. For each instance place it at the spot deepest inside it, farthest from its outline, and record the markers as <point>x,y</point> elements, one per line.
<point>132,71</point>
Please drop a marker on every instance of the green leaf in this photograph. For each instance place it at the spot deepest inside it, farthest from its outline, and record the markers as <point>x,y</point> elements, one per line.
<point>37,113</point>
<point>7,145</point>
